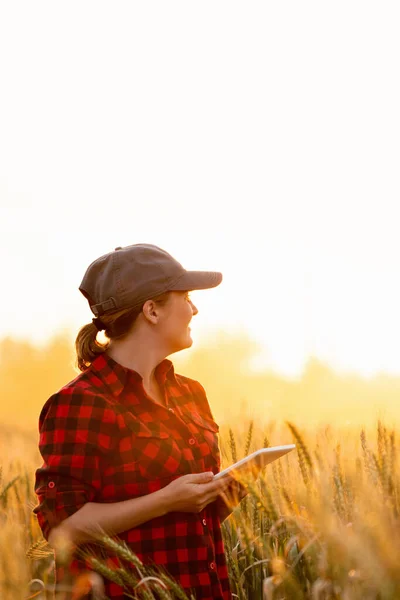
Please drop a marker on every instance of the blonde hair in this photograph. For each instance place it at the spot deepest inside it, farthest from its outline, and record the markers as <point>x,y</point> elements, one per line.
<point>117,326</point>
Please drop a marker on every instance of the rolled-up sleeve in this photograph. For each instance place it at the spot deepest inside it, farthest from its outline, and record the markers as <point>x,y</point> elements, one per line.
<point>77,431</point>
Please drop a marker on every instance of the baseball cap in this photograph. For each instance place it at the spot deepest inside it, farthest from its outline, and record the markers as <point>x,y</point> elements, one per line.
<point>130,275</point>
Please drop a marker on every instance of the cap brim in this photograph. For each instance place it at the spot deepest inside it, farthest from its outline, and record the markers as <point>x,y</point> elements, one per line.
<point>197,280</point>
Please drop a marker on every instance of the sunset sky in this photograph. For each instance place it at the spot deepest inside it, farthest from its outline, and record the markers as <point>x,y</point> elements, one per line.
<point>256,139</point>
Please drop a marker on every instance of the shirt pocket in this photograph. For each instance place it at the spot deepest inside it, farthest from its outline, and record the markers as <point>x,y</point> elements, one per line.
<point>205,431</point>
<point>203,422</point>
<point>152,449</point>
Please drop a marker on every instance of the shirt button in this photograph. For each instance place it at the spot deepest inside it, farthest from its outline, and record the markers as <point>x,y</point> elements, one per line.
<point>192,441</point>
<point>212,566</point>
<point>204,522</point>
<point>51,484</point>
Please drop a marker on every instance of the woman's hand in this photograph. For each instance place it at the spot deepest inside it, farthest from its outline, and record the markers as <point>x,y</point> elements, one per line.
<point>192,493</point>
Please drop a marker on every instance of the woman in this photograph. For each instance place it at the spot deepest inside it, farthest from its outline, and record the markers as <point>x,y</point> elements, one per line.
<point>130,447</point>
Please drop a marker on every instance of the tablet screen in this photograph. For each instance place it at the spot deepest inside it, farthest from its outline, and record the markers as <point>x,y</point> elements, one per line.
<point>255,461</point>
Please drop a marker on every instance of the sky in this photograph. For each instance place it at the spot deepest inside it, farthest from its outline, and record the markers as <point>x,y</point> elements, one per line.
<point>257,139</point>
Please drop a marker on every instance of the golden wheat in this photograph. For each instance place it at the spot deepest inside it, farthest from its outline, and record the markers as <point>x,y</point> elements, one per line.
<point>324,523</point>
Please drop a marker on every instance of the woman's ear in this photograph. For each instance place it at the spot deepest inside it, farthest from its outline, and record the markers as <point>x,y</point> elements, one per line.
<point>150,311</point>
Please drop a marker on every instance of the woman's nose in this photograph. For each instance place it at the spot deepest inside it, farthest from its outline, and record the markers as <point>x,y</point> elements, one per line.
<point>194,308</point>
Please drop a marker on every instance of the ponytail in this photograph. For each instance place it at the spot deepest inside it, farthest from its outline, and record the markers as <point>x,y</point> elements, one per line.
<point>87,347</point>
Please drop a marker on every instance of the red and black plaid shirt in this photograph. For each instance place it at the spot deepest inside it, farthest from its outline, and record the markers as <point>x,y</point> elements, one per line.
<point>103,439</point>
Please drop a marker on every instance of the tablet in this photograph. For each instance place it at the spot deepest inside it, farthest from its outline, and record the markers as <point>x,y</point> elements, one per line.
<point>253,463</point>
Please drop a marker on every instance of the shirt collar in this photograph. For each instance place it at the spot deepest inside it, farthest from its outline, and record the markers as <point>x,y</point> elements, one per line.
<point>116,376</point>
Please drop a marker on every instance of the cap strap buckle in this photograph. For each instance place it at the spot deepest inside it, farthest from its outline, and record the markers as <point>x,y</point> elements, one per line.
<point>103,307</point>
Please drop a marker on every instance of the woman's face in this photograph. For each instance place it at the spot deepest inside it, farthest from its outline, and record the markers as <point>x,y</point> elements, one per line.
<point>174,324</point>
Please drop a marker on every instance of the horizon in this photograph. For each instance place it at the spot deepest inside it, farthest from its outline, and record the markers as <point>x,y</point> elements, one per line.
<point>255,365</point>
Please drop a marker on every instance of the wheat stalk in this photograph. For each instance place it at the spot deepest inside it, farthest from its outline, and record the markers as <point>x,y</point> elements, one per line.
<point>232,445</point>
<point>248,439</point>
<point>305,461</point>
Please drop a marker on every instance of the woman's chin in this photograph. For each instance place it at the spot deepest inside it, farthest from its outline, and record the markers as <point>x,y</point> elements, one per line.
<point>188,340</point>
<point>184,342</point>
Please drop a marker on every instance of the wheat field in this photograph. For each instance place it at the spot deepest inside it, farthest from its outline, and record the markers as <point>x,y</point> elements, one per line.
<point>320,523</point>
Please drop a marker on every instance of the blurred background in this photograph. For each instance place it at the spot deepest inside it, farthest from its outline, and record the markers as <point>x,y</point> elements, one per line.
<point>256,139</point>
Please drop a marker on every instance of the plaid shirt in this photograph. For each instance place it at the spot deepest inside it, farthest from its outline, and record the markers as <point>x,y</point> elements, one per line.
<point>103,439</point>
